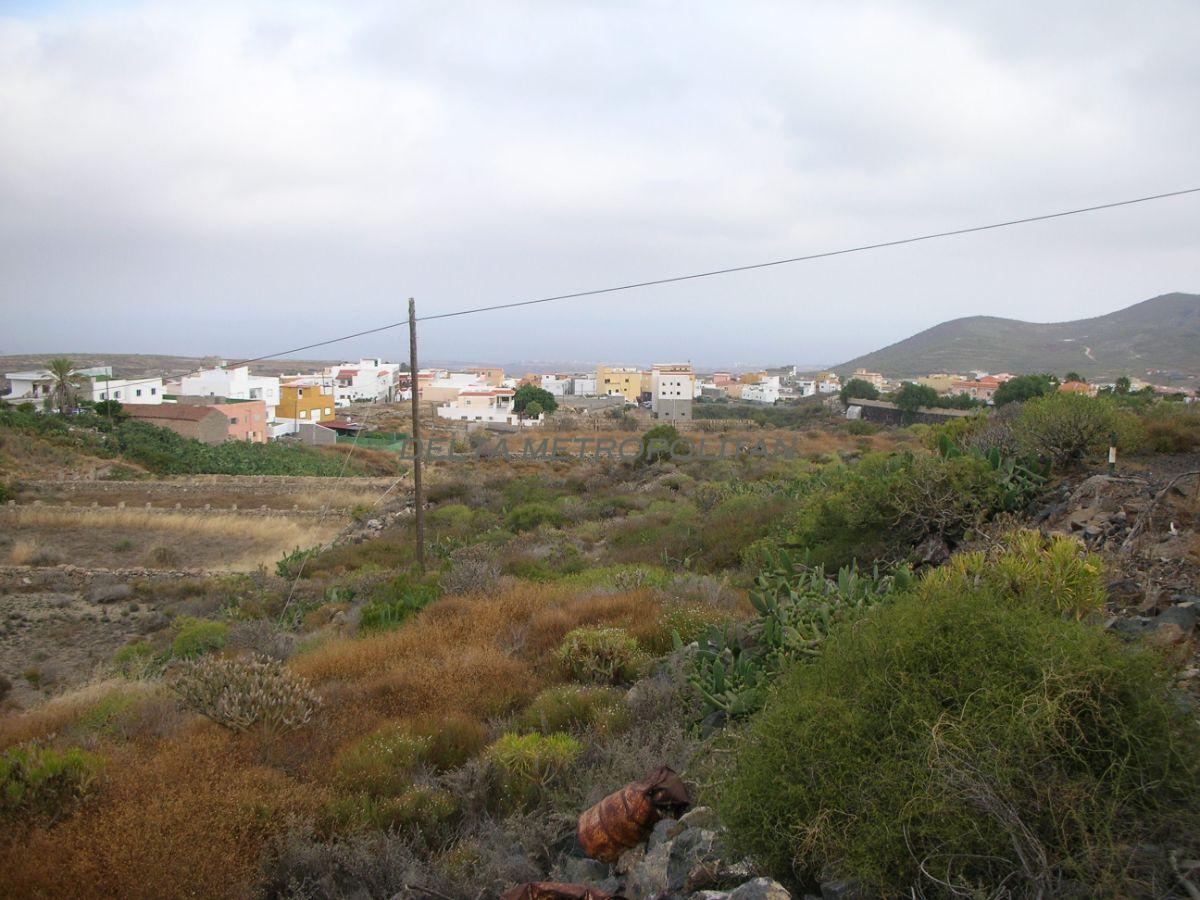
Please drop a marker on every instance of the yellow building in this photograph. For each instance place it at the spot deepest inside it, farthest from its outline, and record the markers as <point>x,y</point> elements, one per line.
<point>492,376</point>
<point>623,381</point>
<point>941,382</point>
<point>305,402</point>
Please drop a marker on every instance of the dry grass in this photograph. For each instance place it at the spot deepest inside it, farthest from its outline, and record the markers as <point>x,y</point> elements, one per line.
<point>210,540</point>
<point>68,711</point>
<point>189,818</point>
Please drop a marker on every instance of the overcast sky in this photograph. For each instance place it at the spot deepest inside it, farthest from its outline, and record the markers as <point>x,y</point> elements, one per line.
<point>236,179</point>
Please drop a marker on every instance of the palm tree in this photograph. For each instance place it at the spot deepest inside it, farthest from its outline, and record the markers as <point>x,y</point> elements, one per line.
<point>65,382</point>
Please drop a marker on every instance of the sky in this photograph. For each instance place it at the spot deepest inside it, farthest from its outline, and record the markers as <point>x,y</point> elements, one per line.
<point>237,179</point>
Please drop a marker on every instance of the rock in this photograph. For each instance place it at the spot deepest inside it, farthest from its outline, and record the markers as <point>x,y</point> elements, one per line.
<point>700,817</point>
<point>664,831</point>
<point>630,860</point>
<point>840,890</point>
<point>1129,629</point>
<point>1183,616</point>
<point>696,850</point>
<point>710,895</point>
<point>761,889</point>
<point>649,877</point>
<point>109,593</point>
<point>712,723</point>
<point>577,870</point>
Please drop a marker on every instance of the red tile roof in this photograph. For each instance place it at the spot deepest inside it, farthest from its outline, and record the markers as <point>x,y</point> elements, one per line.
<point>173,411</point>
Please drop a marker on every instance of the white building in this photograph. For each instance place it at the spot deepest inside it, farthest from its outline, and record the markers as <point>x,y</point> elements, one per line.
<point>486,405</point>
<point>584,386</point>
<point>38,384</point>
<point>367,381</point>
<point>672,388</point>
<point>828,383</point>
<point>233,384</point>
<point>765,391</point>
<point>806,387</point>
<point>99,388</point>
<point>558,385</point>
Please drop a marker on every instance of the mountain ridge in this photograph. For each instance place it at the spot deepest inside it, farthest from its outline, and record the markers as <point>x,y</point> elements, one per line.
<point>1157,338</point>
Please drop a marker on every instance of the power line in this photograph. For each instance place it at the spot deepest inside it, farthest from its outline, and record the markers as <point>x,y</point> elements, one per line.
<point>675,279</point>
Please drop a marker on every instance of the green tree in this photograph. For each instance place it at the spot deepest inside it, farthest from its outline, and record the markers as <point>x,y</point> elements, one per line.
<point>912,396</point>
<point>533,409</point>
<point>1075,376</point>
<point>1022,388</point>
<point>1122,385</point>
<point>530,393</point>
<point>857,389</point>
<point>658,443</point>
<point>65,383</point>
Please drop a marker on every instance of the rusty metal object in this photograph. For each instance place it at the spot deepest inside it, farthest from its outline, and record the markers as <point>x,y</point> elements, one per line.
<point>625,818</point>
<point>556,890</point>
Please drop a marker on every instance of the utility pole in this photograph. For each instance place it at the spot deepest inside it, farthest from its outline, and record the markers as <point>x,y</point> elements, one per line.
<point>418,498</point>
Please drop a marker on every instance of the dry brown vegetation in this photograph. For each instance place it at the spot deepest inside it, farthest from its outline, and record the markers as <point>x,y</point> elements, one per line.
<point>190,814</point>
<point>89,536</point>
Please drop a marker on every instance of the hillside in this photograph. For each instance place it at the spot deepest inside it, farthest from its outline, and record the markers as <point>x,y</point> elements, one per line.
<point>1160,336</point>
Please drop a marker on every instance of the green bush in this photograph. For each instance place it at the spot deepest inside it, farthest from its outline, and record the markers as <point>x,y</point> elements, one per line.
<point>526,765</point>
<point>687,621</point>
<point>601,655</point>
<point>1172,428</point>
<point>41,785</point>
<point>528,516</point>
<point>394,602</point>
<point>659,443</point>
<point>196,637</point>
<point>418,811</point>
<point>575,708</point>
<point>383,762</point>
<point>967,738</point>
<point>1064,427</point>
<point>134,659</point>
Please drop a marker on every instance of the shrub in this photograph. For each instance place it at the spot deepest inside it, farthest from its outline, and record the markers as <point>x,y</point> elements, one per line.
<point>966,739</point>
<point>382,762</point>
<point>134,659</point>
<point>1055,572</point>
<point>164,556</point>
<point>292,564</point>
<point>452,739</point>
<point>472,569</point>
<point>1172,428</point>
<point>394,602</point>
<point>601,655</point>
<point>196,637</point>
<point>689,621</point>
<point>1063,427</point>
<point>418,810</point>
<point>248,694</point>
<point>659,443</point>
<point>575,708</point>
<point>525,765</point>
<point>1024,387</point>
<point>42,785</point>
<point>528,516</point>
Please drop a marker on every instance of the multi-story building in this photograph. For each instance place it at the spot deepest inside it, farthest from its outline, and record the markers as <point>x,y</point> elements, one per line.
<point>978,389</point>
<point>875,379</point>
<point>38,384</point>
<point>828,383</point>
<point>619,381</point>
<point>233,384</point>
<point>304,400</point>
<point>487,406</point>
<point>765,390</point>
<point>370,380</point>
<point>584,385</point>
<point>558,385</point>
<point>99,388</point>
<point>672,388</point>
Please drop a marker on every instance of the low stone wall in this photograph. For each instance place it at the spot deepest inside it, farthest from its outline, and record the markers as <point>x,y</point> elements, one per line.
<point>199,483</point>
<point>263,511</point>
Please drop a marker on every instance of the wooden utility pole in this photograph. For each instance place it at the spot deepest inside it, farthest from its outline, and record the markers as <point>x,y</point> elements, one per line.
<point>418,497</point>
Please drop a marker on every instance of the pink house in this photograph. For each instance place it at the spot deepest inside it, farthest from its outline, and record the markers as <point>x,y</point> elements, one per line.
<point>247,419</point>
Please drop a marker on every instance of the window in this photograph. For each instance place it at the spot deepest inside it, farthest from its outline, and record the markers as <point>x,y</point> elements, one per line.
<point>233,420</point>
<point>304,414</point>
<point>139,392</point>
<point>117,394</point>
<point>153,392</point>
<point>328,411</point>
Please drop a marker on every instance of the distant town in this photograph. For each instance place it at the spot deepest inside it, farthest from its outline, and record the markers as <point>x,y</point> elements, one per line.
<point>226,402</point>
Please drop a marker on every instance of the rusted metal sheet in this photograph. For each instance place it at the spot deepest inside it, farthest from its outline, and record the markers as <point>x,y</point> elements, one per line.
<point>625,818</point>
<point>556,890</point>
